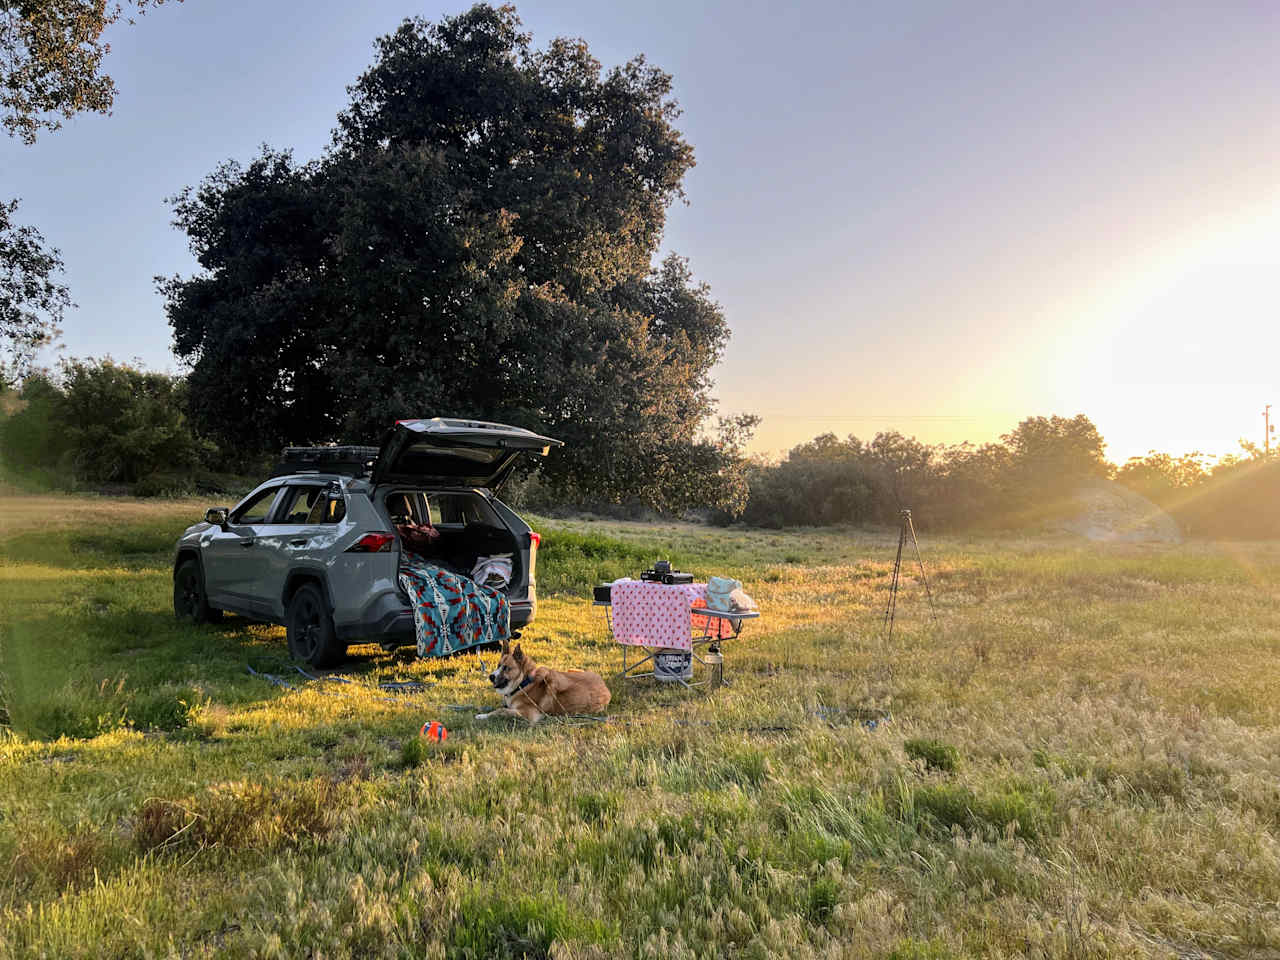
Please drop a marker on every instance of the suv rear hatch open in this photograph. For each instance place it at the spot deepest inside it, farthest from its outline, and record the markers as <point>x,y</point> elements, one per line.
<point>448,452</point>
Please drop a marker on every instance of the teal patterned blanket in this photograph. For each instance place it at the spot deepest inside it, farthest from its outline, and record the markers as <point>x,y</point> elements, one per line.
<point>451,612</point>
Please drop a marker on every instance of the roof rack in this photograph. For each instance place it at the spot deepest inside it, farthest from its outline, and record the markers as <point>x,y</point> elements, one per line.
<point>346,460</point>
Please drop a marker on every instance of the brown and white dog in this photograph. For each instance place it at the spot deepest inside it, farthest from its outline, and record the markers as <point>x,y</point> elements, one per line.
<point>534,692</point>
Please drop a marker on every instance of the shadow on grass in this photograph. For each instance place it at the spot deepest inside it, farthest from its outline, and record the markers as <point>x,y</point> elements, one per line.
<point>134,546</point>
<point>90,670</point>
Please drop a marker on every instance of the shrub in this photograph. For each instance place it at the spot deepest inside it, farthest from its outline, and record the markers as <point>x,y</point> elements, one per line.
<point>162,485</point>
<point>32,437</point>
<point>823,895</point>
<point>124,423</point>
<point>103,422</point>
<point>935,754</point>
<point>413,751</point>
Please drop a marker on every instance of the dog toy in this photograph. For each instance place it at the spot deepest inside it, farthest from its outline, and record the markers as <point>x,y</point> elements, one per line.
<point>434,730</point>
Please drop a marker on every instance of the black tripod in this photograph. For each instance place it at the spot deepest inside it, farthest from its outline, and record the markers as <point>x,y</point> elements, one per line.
<point>891,607</point>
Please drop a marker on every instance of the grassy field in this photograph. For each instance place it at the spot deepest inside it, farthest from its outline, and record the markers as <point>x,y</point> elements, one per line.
<point>1082,759</point>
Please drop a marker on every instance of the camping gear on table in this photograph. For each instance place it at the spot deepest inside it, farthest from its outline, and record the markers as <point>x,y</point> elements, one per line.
<point>674,627</point>
<point>726,594</point>
<point>662,572</point>
<point>451,612</point>
<point>718,591</point>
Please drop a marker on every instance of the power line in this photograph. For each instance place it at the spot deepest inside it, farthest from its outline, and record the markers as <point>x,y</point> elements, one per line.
<point>803,416</point>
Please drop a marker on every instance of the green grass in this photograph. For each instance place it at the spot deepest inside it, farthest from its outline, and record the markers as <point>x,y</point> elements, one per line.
<point>934,754</point>
<point>1080,761</point>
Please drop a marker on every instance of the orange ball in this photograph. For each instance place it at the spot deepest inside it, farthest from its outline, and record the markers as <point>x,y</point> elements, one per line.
<point>434,730</point>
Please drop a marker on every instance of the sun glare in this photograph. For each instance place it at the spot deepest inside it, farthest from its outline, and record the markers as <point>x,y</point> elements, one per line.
<point>1187,352</point>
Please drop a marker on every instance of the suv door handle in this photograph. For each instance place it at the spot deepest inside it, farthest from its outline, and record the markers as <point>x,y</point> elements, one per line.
<point>299,543</point>
<point>247,542</point>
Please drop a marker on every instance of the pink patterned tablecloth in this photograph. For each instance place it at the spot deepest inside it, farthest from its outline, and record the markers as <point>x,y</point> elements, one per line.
<point>654,614</point>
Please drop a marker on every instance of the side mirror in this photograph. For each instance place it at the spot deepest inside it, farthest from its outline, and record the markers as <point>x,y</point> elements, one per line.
<point>217,516</point>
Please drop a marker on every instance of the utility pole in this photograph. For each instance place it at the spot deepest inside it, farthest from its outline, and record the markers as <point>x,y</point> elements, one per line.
<point>1266,435</point>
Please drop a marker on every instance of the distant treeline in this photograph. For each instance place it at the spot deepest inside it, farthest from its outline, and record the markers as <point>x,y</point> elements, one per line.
<point>1027,480</point>
<point>103,425</point>
<point>98,424</point>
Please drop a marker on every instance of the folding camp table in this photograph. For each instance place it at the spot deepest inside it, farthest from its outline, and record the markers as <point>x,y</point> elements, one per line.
<point>669,623</point>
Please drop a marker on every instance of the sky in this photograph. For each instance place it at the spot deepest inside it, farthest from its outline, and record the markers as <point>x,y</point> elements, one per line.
<point>925,217</point>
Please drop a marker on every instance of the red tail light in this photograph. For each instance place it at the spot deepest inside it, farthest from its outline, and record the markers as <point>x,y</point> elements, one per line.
<point>535,540</point>
<point>373,543</point>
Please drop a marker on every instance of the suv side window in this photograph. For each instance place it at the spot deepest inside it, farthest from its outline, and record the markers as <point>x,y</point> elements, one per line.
<point>463,509</point>
<point>325,510</point>
<point>299,502</point>
<point>408,506</point>
<point>256,509</point>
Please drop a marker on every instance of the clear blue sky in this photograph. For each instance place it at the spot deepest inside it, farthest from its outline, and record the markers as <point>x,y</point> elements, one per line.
<point>936,218</point>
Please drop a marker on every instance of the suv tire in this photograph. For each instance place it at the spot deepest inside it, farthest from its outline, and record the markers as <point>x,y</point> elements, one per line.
<point>309,628</point>
<point>190,602</point>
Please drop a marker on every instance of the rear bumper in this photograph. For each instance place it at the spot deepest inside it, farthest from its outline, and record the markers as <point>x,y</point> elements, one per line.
<point>395,625</point>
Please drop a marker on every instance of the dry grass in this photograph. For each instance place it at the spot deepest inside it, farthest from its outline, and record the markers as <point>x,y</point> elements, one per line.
<point>19,514</point>
<point>1081,761</point>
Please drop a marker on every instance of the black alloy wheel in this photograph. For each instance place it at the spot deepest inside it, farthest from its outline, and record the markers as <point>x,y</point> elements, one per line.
<point>309,629</point>
<point>189,600</point>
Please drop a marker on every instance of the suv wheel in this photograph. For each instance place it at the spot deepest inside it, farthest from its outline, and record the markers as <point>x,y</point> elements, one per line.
<point>189,600</point>
<point>309,628</point>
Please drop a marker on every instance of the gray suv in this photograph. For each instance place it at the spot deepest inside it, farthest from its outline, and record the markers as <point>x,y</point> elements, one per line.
<point>315,547</point>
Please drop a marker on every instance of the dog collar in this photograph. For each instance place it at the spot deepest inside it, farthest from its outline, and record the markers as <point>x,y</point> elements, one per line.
<point>524,683</point>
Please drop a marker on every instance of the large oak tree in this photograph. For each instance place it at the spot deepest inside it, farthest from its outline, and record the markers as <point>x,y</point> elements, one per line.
<point>479,240</point>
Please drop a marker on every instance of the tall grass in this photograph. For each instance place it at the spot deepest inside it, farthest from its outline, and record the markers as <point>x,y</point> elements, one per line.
<point>1079,761</point>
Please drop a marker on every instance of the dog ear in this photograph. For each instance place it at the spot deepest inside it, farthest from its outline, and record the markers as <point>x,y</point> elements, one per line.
<point>506,646</point>
<point>519,654</point>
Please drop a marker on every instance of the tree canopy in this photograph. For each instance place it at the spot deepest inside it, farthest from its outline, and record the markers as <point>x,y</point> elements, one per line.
<point>479,240</point>
<point>51,54</point>
<point>32,300</point>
